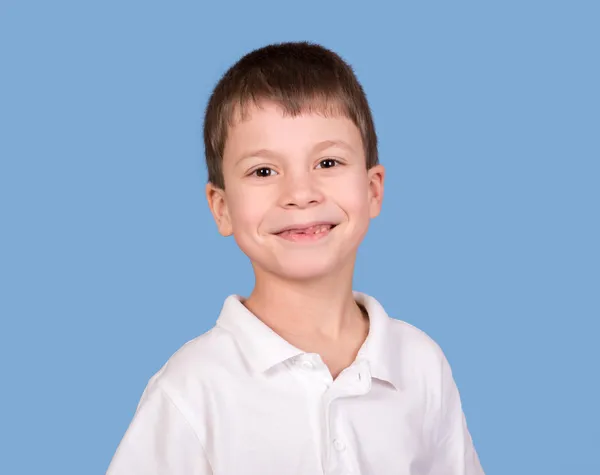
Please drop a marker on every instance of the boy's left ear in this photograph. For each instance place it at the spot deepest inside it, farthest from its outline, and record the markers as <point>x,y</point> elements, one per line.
<point>376,177</point>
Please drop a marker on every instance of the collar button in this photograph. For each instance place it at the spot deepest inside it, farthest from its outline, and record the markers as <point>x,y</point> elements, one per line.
<point>339,445</point>
<point>307,365</point>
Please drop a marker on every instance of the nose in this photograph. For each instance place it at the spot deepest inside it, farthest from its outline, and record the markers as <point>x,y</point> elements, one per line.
<point>300,191</point>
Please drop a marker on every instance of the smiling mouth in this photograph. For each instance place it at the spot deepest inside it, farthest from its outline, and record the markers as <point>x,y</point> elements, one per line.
<point>306,234</point>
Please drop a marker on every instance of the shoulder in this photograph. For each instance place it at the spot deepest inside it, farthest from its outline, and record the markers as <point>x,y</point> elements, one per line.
<point>417,356</point>
<point>413,339</point>
<point>418,363</point>
<point>198,365</point>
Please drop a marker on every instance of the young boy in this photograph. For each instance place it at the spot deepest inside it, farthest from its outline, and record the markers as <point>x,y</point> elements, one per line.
<point>304,376</point>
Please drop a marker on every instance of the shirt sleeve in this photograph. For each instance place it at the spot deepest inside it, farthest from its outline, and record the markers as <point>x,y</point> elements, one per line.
<point>159,441</point>
<point>454,450</point>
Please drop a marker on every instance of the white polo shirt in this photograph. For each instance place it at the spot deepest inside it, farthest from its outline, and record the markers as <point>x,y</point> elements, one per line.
<point>240,400</point>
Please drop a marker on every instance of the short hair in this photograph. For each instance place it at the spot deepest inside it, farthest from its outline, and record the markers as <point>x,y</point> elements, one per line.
<point>300,77</point>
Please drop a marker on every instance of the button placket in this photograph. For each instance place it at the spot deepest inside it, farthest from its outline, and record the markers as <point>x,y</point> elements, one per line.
<point>328,432</point>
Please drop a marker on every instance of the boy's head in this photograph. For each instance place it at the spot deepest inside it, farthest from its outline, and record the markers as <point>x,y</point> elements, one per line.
<point>290,143</point>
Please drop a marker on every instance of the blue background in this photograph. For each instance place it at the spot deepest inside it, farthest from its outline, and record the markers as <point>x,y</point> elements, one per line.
<point>489,123</point>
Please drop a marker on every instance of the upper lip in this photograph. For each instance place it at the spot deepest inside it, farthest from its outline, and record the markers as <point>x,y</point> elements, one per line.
<point>305,226</point>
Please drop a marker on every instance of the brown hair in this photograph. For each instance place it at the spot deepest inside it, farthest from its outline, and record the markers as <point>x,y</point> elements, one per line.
<point>299,76</point>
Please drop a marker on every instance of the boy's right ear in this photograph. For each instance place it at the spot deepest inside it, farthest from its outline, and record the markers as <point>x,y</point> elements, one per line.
<point>218,207</point>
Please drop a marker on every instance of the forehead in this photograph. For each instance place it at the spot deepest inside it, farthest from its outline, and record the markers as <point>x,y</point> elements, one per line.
<point>268,125</point>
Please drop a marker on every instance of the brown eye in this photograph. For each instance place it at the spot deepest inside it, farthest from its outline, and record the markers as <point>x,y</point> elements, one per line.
<point>328,163</point>
<point>264,172</point>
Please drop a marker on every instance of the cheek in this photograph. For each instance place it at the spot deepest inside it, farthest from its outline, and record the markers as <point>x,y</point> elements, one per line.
<point>247,211</point>
<point>354,197</point>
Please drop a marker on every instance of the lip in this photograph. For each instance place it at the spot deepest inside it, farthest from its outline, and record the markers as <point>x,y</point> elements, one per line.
<point>305,226</point>
<point>305,238</point>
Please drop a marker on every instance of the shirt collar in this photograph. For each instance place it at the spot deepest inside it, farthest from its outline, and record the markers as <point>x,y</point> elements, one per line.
<point>378,348</point>
<point>263,348</point>
<point>260,345</point>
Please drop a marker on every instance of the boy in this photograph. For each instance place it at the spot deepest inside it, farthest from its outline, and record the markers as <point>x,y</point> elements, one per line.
<point>304,376</point>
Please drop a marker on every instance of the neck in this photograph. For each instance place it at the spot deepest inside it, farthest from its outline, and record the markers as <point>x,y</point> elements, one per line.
<point>298,310</point>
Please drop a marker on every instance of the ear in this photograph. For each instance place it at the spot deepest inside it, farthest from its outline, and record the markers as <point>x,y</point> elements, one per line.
<point>218,207</point>
<point>376,177</point>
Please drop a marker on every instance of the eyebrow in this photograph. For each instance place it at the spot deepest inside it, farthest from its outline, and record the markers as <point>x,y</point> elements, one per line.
<point>318,147</point>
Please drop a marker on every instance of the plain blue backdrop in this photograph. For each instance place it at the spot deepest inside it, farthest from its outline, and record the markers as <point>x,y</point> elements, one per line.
<point>488,116</point>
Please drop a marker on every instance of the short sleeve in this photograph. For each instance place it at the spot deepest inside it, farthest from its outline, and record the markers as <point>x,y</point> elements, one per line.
<point>454,450</point>
<point>159,440</point>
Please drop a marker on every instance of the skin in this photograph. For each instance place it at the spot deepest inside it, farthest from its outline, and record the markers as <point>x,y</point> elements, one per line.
<point>285,171</point>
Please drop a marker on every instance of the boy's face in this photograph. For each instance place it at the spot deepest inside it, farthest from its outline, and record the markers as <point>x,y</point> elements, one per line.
<point>283,174</point>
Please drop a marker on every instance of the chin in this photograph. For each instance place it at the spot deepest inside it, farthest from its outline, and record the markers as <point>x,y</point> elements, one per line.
<point>306,269</point>
<point>301,264</point>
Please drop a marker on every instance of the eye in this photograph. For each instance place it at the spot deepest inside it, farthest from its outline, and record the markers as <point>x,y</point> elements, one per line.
<point>328,163</point>
<point>264,172</point>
